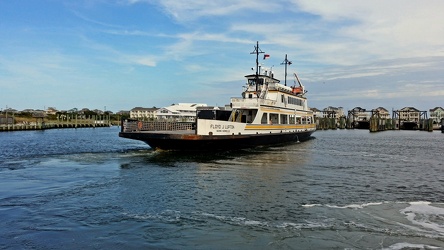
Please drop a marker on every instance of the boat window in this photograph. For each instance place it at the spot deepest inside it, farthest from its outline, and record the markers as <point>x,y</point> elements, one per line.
<point>244,119</point>
<point>253,81</point>
<point>295,101</point>
<point>205,114</point>
<point>251,115</point>
<point>284,119</point>
<point>298,120</point>
<point>264,119</point>
<point>292,119</point>
<point>261,81</point>
<point>223,115</point>
<point>274,118</point>
<point>250,95</point>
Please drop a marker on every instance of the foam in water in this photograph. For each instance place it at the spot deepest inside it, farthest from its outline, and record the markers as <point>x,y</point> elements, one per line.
<point>312,205</point>
<point>425,218</point>
<point>356,206</point>
<point>236,220</point>
<point>404,245</point>
<point>353,206</point>
<point>425,215</point>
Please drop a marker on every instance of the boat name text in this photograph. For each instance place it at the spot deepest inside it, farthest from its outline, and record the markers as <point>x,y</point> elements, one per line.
<point>221,127</point>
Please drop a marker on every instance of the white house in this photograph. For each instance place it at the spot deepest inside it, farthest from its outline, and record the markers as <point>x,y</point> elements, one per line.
<point>333,112</point>
<point>437,114</point>
<point>143,113</point>
<point>184,112</point>
<point>409,114</point>
<point>383,113</point>
<point>360,114</point>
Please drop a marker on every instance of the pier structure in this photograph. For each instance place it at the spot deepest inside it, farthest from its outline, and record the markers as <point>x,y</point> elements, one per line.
<point>72,122</point>
<point>409,118</point>
<point>358,118</point>
<point>375,120</point>
<point>331,118</point>
<point>380,120</point>
<point>327,121</point>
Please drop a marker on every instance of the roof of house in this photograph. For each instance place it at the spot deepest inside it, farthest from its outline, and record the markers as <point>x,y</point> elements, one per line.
<point>143,109</point>
<point>381,109</point>
<point>184,107</point>
<point>436,108</point>
<point>409,109</point>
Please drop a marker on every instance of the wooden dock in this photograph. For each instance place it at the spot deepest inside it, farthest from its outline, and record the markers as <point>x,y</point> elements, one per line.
<point>54,125</point>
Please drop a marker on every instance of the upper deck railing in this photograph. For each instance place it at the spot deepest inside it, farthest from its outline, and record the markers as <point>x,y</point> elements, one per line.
<point>134,126</point>
<point>251,102</point>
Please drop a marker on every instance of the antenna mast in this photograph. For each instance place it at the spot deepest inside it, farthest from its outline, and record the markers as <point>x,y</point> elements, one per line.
<point>257,51</point>
<point>286,62</point>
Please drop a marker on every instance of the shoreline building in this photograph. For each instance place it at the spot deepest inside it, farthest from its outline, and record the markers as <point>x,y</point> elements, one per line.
<point>182,112</point>
<point>317,113</point>
<point>407,118</point>
<point>333,112</point>
<point>381,112</point>
<point>360,114</point>
<point>409,114</point>
<point>143,113</point>
<point>436,114</point>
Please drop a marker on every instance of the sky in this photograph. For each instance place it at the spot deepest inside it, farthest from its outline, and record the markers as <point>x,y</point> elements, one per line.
<point>119,54</point>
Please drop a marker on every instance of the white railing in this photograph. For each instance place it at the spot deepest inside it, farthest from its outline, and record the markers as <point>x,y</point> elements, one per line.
<point>132,126</point>
<point>247,102</point>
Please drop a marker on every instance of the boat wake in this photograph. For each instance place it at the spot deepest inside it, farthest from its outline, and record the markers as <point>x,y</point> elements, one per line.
<point>383,225</point>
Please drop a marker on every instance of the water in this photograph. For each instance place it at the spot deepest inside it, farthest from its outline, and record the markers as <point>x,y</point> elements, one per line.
<point>345,189</point>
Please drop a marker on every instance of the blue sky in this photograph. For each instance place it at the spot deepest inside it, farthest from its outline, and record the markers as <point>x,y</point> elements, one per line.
<point>120,54</point>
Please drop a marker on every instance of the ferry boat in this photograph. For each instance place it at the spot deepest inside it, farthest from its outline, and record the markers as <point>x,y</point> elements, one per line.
<point>267,113</point>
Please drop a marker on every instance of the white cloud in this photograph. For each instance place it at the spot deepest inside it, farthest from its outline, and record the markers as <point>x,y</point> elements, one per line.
<point>386,29</point>
<point>146,61</point>
<point>345,32</point>
<point>195,9</point>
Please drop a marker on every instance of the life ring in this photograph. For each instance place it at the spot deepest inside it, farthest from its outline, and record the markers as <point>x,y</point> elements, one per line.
<point>140,125</point>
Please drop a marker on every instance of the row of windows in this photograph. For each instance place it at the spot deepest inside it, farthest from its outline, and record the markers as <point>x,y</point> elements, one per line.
<point>271,118</point>
<point>142,112</point>
<point>292,100</point>
<point>253,81</point>
<point>295,101</point>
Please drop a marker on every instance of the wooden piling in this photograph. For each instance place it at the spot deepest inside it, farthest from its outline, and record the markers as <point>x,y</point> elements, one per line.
<point>349,124</point>
<point>430,125</point>
<point>333,123</point>
<point>342,122</point>
<point>442,125</point>
<point>374,122</point>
